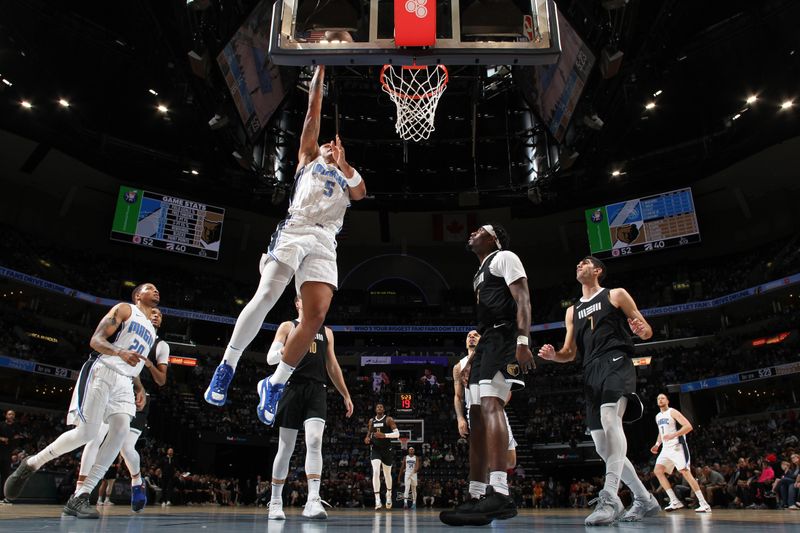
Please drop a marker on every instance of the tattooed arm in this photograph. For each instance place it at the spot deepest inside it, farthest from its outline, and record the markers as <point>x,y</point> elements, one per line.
<point>106,328</point>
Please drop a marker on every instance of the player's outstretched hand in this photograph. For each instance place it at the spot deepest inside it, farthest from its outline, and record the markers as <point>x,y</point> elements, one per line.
<point>637,326</point>
<point>463,427</point>
<point>348,407</point>
<point>525,358</point>
<point>132,358</point>
<point>338,152</point>
<point>654,449</point>
<point>547,352</point>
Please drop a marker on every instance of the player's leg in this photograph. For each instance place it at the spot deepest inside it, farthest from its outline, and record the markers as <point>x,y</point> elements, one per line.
<point>133,461</point>
<point>613,446</point>
<point>703,506</point>
<point>478,465</point>
<point>413,483</point>
<point>663,467</point>
<point>89,454</point>
<point>386,466</point>
<point>492,410</point>
<point>314,428</point>
<point>376,480</point>
<point>406,489</point>
<point>275,276</point>
<point>280,469</point>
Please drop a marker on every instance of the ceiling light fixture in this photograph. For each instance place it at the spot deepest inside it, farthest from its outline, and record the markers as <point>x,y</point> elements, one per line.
<point>737,115</point>
<point>751,99</point>
<point>787,104</point>
<point>162,109</point>
<point>650,105</point>
<point>658,92</point>
<point>616,173</point>
<point>26,104</point>
<point>63,103</point>
<point>194,172</point>
<point>153,92</point>
<point>7,82</point>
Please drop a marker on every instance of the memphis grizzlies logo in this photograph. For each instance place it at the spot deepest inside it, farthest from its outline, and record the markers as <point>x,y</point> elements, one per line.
<point>131,196</point>
<point>597,216</point>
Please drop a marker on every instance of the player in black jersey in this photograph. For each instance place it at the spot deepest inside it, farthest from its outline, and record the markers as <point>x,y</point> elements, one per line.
<point>496,367</point>
<point>381,452</point>
<point>304,404</point>
<point>598,328</point>
<point>157,362</point>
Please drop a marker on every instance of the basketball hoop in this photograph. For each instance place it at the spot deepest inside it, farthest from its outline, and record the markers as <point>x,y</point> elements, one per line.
<point>415,90</point>
<point>404,443</point>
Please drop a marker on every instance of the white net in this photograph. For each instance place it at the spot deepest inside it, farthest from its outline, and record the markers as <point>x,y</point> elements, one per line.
<point>415,91</point>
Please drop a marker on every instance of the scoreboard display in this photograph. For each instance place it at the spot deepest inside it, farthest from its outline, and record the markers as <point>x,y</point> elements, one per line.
<point>166,222</point>
<point>404,402</point>
<point>643,225</point>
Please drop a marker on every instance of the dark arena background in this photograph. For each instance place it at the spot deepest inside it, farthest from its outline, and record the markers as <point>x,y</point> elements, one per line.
<point>156,141</point>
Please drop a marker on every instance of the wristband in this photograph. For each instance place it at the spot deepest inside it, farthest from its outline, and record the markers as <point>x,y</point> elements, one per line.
<point>355,180</point>
<point>522,339</point>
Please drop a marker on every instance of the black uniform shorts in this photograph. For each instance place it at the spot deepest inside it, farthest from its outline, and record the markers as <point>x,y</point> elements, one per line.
<point>385,454</point>
<point>607,379</point>
<point>497,352</point>
<point>302,401</point>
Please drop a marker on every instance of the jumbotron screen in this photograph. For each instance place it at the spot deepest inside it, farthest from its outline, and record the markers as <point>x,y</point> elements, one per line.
<point>642,225</point>
<point>168,223</point>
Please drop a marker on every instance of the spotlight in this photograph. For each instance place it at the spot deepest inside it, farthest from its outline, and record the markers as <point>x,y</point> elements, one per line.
<point>26,104</point>
<point>194,172</point>
<point>658,92</point>
<point>162,109</point>
<point>736,116</point>
<point>787,104</point>
<point>63,103</point>
<point>153,92</point>
<point>650,105</point>
<point>616,173</point>
<point>751,99</point>
<point>7,82</point>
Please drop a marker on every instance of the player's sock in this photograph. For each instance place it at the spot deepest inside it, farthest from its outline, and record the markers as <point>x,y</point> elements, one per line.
<point>313,488</point>
<point>232,356</point>
<point>701,499</point>
<point>477,489</point>
<point>499,482</point>
<point>377,497</point>
<point>136,480</point>
<point>277,494</point>
<point>282,374</point>
<point>671,494</point>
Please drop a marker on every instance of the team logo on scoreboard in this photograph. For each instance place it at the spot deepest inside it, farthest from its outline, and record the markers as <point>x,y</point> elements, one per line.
<point>131,196</point>
<point>137,239</point>
<point>597,216</point>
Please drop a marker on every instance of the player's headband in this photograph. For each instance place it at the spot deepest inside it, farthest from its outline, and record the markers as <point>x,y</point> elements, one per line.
<point>490,230</point>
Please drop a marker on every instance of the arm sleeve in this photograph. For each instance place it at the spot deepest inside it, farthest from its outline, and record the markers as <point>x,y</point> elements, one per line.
<point>508,266</point>
<point>162,353</point>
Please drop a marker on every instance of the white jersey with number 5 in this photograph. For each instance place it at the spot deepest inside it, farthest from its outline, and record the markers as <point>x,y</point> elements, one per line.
<point>135,334</point>
<point>320,195</point>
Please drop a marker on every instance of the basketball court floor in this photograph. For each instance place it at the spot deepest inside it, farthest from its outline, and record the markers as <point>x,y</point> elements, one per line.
<point>35,518</point>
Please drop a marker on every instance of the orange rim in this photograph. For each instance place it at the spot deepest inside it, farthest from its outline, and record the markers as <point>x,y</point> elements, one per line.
<point>398,94</point>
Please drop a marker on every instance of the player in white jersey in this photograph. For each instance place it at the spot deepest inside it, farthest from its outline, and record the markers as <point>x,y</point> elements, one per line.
<point>462,401</point>
<point>104,393</point>
<point>157,362</point>
<point>674,454</point>
<point>410,466</point>
<point>303,246</point>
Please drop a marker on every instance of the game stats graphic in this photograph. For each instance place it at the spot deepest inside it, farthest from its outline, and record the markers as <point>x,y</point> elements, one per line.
<point>643,225</point>
<point>168,223</point>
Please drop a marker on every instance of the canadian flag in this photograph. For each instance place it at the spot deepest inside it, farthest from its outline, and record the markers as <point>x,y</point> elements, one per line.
<point>454,227</point>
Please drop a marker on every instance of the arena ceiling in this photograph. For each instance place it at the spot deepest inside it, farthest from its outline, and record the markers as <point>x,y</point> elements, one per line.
<point>115,62</point>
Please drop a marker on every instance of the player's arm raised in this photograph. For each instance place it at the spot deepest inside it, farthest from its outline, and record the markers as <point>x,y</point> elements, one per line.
<point>106,328</point>
<point>686,426</point>
<point>567,352</point>
<point>356,187</point>
<point>458,401</point>
<point>639,326</point>
<point>309,149</point>
<point>276,348</point>
<point>335,372</point>
<point>521,295</point>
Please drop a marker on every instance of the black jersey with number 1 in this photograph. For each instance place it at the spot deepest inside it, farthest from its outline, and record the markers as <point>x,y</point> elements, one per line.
<point>600,327</point>
<point>312,366</point>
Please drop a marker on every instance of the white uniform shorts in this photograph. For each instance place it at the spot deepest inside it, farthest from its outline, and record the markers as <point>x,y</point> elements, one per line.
<point>99,393</point>
<point>411,479</point>
<point>309,250</point>
<point>674,457</point>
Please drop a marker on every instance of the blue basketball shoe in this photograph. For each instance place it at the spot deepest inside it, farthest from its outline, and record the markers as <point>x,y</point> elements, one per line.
<point>217,391</point>
<point>138,498</point>
<point>268,397</point>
